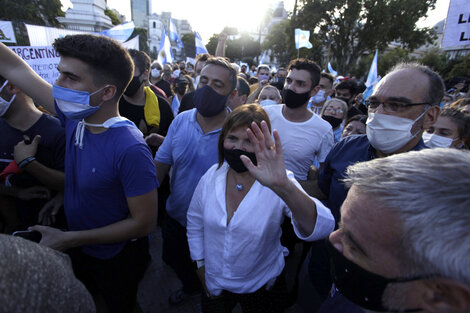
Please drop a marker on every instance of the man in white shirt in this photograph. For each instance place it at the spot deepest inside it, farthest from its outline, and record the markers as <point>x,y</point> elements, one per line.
<point>304,135</point>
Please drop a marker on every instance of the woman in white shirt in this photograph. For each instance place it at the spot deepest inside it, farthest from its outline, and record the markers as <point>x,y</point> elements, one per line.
<point>235,215</point>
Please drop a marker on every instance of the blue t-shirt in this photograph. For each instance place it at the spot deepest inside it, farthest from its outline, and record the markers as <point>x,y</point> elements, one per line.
<point>350,150</point>
<point>191,153</point>
<point>110,167</point>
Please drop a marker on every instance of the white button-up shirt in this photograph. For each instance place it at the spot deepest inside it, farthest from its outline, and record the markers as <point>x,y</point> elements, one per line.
<point>244,255</point>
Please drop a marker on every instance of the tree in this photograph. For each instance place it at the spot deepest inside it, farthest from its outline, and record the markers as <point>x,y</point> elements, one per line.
<point>461,69</point>
<point>189,44</point>
<point>38,12</point>
<point>280,41</point>
<point>350,28</point>
<point>114,18</point>
<point>143,39</point>
<point>212,44</point>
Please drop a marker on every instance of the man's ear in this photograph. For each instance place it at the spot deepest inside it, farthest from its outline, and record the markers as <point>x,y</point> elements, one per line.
<point>109,92</point>
<point>233,94</point>
<point>444,295</point>
<point>430,117</point>
<point>244,98</point>
<point>314,90</point>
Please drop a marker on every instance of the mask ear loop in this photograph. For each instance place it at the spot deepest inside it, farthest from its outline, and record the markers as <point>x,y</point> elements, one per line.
<point>418,118</point>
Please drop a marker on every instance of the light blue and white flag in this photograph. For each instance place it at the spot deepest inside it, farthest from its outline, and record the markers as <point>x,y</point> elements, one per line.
<point>372,77</point>
<point>331,70</point>
<point>174,35</point>
<point>301,39</point>
<point>164,54</point>
<point>368,92</point>
<point>261,61</point>
<point>200,48</point>
<point>120,32</point>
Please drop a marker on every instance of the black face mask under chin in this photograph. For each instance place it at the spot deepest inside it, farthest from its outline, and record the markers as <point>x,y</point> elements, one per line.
<point>294,100</point>
<point>360,286</point>
<point>334,121</point>
<point>232,156</point>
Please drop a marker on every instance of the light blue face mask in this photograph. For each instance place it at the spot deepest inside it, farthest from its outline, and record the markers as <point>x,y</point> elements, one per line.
<point>74,104</point>
<point>4,104</point>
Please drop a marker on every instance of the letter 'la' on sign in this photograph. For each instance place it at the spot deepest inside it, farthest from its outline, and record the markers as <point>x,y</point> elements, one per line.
<point>457,28</point>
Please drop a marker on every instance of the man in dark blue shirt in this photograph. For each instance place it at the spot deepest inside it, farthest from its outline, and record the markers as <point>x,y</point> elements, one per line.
<point>403,105</point>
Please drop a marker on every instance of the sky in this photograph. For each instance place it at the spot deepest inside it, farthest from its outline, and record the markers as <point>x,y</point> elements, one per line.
<point>209,17</point>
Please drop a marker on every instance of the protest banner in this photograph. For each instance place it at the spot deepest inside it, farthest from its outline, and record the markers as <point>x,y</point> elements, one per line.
<point>42,59</point>
<point>6,32</point>
<point>457,29</point>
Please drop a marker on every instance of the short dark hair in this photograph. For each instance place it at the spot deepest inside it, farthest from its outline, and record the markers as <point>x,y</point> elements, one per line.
<point>349,84</point>
<point>329,77</point>
<point>141,60</point>
<point>308,65</point>
<point>109,62</point>
<point>242,86</point>
<point>202,57</point>
<point>242,116</point>
<point>359,118</point>
<point>436,85</point>
<point>220,61</point>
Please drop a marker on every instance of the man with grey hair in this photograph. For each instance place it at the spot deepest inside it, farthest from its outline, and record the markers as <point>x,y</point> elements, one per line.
<point>403,241</point>
<point>190,149</point>
<point>404,103</point>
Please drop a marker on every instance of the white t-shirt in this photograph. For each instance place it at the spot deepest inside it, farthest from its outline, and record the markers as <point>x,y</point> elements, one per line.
<point>244,255</point>
<point>301,142</point>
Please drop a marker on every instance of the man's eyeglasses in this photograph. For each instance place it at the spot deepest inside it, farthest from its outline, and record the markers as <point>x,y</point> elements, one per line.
<point>390,107</point>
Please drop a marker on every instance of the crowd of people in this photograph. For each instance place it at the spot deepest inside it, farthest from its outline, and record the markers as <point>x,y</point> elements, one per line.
<point>238,166</point>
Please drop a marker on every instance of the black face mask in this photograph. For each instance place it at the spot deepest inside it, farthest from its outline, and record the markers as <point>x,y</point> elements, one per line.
<point>134,85</point>
<point>360,286</point>
<point>208,102</point>
<point>281,81</point>
<point>334,122</point>
<point>294,100</point>
<point>232,157</point>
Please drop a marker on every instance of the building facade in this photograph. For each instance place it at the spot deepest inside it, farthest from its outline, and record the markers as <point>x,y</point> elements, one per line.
<point>86,15</point>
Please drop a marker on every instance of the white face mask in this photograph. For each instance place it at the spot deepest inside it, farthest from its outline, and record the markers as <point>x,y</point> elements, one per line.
<point>155,73</point>
<point>319,97</point>
<point>388,133</point>
<point>266,102</point>
<point>436,141</point>
<point>4,104</point>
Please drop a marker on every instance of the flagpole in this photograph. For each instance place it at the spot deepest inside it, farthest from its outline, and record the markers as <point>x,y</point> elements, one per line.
<point>298,53</point>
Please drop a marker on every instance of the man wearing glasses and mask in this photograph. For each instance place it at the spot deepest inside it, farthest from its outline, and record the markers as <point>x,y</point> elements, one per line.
<point>403,105</point>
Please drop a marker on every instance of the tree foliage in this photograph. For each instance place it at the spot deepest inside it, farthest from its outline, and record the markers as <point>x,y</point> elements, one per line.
<point>114,18</point>
<point>38,12</point>
<point>280,40</point>
<point>189,44</point>
<point>349,28</point>
<point>143,39</point>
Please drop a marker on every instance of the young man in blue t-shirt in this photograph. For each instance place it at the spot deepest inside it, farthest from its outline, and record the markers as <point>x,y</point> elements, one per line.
<point>110,182</point>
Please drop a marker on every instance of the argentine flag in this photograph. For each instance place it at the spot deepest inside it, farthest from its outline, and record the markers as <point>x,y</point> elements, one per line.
<point>200,48</point>
<point>372,77</point>
<point>331,70</point>
<point>120,32</point>
<point>174,35</point>
<point>301,39</point>
<point>164,54</point>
